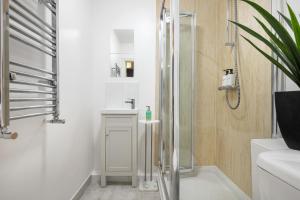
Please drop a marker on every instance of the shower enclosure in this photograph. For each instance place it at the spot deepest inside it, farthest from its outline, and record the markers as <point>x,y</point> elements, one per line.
<point>176,99</point>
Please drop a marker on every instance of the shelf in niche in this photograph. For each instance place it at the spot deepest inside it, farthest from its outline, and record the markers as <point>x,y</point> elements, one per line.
<point>122,79</point>
<point>227,88</point>
<point>121,53</point>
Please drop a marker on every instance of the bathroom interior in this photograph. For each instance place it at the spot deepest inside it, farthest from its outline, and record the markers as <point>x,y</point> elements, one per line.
<point>151,99</point>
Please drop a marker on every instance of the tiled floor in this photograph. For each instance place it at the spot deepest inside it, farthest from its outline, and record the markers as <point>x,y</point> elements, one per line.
<point>117,192</point>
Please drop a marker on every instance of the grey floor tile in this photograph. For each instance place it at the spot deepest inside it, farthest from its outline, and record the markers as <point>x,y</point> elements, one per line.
<point>117,192</point>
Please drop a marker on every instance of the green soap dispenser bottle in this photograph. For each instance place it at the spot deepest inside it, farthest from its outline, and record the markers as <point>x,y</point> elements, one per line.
<point>148,113</point>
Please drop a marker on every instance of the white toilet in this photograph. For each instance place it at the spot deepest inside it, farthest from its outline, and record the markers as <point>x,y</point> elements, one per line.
<point>275,170</point>
<point>279,175</point>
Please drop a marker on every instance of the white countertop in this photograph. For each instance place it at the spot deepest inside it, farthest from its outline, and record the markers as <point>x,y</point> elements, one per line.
<point>270,144</point>
<point>284,164</point>
<point>120,112</point>
<point>149,121</point>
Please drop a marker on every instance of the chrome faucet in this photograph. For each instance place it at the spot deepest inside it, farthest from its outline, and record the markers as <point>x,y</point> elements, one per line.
<point>116,71</point>
<point>132,102</point>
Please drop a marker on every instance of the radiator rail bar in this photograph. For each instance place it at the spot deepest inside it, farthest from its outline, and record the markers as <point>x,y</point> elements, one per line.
<point>31,99</point>
<point>32,45</point>
<point>16,20</point>
<point>33,84</point>
<point>31,107</point>
<point>37,25</point>
<point>31,75</point>
<point>31,115</point>
<point>18,30</point>
<point>34,15</point>
<point>32,91</point>
<point>21,83</point>
<point>31,68</point>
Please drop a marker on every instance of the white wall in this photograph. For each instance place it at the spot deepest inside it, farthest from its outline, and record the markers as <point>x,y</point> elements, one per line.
<point>49,162</point>
<point>290,85</point>
<point>281,6</point>
<point>138,15</point>
<point>287,84</point>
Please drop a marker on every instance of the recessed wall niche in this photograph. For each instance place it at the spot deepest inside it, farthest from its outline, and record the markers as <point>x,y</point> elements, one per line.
<point>122,53</point>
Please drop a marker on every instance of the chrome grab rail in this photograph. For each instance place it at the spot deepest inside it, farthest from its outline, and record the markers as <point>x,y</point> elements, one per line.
<point>23,25</point>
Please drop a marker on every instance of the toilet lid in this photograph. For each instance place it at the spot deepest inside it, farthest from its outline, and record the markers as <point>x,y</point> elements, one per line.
<point>283,164</point>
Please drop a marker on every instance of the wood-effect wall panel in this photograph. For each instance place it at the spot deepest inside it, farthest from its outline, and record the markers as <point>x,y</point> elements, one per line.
<point>222,136</point>
<point>235,129</point>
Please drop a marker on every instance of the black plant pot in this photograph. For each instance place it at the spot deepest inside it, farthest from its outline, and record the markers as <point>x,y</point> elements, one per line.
<point>288,116</point>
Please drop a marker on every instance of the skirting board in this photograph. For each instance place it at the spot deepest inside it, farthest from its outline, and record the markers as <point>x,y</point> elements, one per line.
<point>82,188</point>
<point>140,172</point>
<point>97,173</point>
<point>227,181</point>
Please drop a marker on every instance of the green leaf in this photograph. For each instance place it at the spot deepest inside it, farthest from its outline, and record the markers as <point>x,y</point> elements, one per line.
<point>287,58</point>
<point>295,25</point>
<point>279,29</point>
<point>276,50</point>
<point>275,62</point>
<point>286,19</point>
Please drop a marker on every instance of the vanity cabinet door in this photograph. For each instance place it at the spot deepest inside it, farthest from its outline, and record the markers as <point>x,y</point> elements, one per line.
<point>118,149</point>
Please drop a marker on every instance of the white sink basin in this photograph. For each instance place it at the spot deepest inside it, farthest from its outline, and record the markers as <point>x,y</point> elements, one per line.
<point>120,111</point>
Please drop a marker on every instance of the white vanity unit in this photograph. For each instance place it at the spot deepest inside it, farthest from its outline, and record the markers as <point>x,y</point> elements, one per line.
<point>119,144</point>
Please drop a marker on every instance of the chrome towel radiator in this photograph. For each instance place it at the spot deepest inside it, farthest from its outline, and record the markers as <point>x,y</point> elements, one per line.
<point>25,90</point>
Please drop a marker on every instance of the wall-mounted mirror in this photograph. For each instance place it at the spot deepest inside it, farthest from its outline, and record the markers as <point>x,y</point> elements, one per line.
<point>122,53</point>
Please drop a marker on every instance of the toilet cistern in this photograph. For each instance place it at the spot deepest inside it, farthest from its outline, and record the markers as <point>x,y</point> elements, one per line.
<point>132,102</point>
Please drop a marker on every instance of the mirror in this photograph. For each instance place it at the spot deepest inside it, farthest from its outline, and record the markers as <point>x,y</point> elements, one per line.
<point>122,54</point>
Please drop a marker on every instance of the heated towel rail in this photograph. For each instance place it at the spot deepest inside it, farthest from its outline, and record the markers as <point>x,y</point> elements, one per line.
<point>25,90</point>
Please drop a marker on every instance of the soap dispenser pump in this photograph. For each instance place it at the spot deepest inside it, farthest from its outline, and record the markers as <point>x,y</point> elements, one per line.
<point>148,114</point>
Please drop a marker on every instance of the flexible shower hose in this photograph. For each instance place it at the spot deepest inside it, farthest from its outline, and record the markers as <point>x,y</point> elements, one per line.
<point>236,68</point>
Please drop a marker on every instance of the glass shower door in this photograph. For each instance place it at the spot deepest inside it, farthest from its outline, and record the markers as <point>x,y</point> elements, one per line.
<point>176,110</point>
<point>186,87</point>
<point>185,93</point>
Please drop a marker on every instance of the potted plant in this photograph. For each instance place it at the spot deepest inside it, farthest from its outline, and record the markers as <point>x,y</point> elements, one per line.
<point>286,47</point>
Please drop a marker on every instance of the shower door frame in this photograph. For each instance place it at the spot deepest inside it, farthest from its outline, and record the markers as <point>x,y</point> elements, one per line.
<point>175,171</point>
<point>165,21</point>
